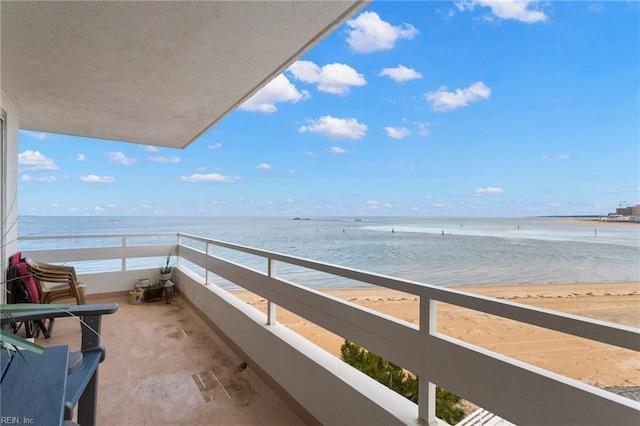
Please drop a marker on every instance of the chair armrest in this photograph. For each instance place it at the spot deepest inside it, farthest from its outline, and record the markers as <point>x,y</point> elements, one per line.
<point>97,309</point>
<point>91,319</point>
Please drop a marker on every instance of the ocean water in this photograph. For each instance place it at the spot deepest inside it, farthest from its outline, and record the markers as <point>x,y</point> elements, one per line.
<point>439,251</point>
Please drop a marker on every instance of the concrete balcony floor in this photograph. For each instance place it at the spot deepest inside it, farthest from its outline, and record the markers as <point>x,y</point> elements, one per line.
<point>164,366</point>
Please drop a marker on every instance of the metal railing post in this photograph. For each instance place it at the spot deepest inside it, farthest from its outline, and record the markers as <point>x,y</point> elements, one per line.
<point>123,261</point>
<point>207,272</point>
<point>426,389</point>
<point>178,243</point>
<point>271,307</point>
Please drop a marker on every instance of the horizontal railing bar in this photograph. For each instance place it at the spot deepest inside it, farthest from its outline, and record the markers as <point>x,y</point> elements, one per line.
<point>199,238</point>
<point>77,254</point>
<point>605,332</point>
<point>94,236</point>
<point>601,331</point>
<point>357,275</point>
<point>391,338</point>
<point>495,382</point>
<point>385,335</point>
<point>98,253</point>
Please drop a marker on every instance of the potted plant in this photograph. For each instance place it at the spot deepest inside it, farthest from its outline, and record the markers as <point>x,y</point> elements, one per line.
<point>165,271</point>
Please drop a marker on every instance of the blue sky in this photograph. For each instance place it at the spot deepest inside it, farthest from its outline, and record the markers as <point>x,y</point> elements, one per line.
<point>468,108</point>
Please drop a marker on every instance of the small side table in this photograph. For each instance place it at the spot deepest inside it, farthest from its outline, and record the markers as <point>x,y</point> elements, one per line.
<point>169,290</point>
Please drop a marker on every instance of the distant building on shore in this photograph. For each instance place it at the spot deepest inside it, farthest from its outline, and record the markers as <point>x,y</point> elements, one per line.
<point>623,214</point>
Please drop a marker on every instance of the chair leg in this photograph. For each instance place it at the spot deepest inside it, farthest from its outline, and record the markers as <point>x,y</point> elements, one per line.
<point>81,290</point>
<point>88,402</point>
<point>30,329</point>
<point>46,331</point>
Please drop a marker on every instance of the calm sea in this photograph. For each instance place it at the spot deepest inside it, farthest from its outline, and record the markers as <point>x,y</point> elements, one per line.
<point>440,251</point>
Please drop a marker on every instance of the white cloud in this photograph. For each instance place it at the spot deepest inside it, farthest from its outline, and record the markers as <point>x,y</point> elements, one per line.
<point>263,166</point>
<point>279,89</point>
<point>81,157</point>
<point>28,178</point>
<point>595,7</point>
<point>337,150</point>
<point>119,158</point>
<point>336,128</point>
<point>55,205</point>
<point>521,10</point>
<point>368,33</point>
<point>161,159</point>
<point>215,146</point>
<point>423,129</point>
<point>209,177</point>
<point>372,203</point>
<point>397,132</point>
<point>446,14</point>
<point>557,157</point>
<point>400,74</point>
<point>34,135</point>
<point>489,190</point>
<point>98,179</point>
<point>34,161</point>
<point>332,78</point>
<point>441,100</point>
<point>151,148</point>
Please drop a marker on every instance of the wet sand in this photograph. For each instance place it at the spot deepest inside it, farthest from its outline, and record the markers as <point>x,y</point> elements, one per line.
<point>591,362</point>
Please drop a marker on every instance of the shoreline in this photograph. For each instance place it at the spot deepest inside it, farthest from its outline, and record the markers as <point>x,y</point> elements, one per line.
<point>588,220</point>
<point>581,359</point>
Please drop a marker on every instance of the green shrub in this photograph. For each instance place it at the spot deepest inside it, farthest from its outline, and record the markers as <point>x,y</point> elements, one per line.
<point>395,378</point>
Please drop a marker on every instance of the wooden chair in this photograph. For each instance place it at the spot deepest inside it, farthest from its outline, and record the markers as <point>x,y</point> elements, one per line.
<point>56,282</point>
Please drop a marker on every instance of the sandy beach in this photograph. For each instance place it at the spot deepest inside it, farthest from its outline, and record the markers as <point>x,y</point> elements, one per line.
<point>597,364</point>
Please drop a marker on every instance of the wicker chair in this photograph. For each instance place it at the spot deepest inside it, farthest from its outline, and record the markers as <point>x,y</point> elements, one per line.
<point>56,282</point>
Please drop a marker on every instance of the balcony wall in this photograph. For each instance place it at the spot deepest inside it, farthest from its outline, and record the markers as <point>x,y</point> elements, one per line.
<point>8,180</point>
<point>328,391</point>
<point>321,385</point>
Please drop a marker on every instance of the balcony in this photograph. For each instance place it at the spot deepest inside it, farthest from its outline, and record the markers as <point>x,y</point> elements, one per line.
<point>150,362</point>
<point>165,366</point>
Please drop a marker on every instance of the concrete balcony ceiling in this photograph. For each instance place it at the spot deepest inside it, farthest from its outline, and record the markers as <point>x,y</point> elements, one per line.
<point>157,73</point>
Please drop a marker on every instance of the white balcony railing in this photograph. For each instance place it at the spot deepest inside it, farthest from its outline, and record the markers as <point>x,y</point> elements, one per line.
<point>514,390</point>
